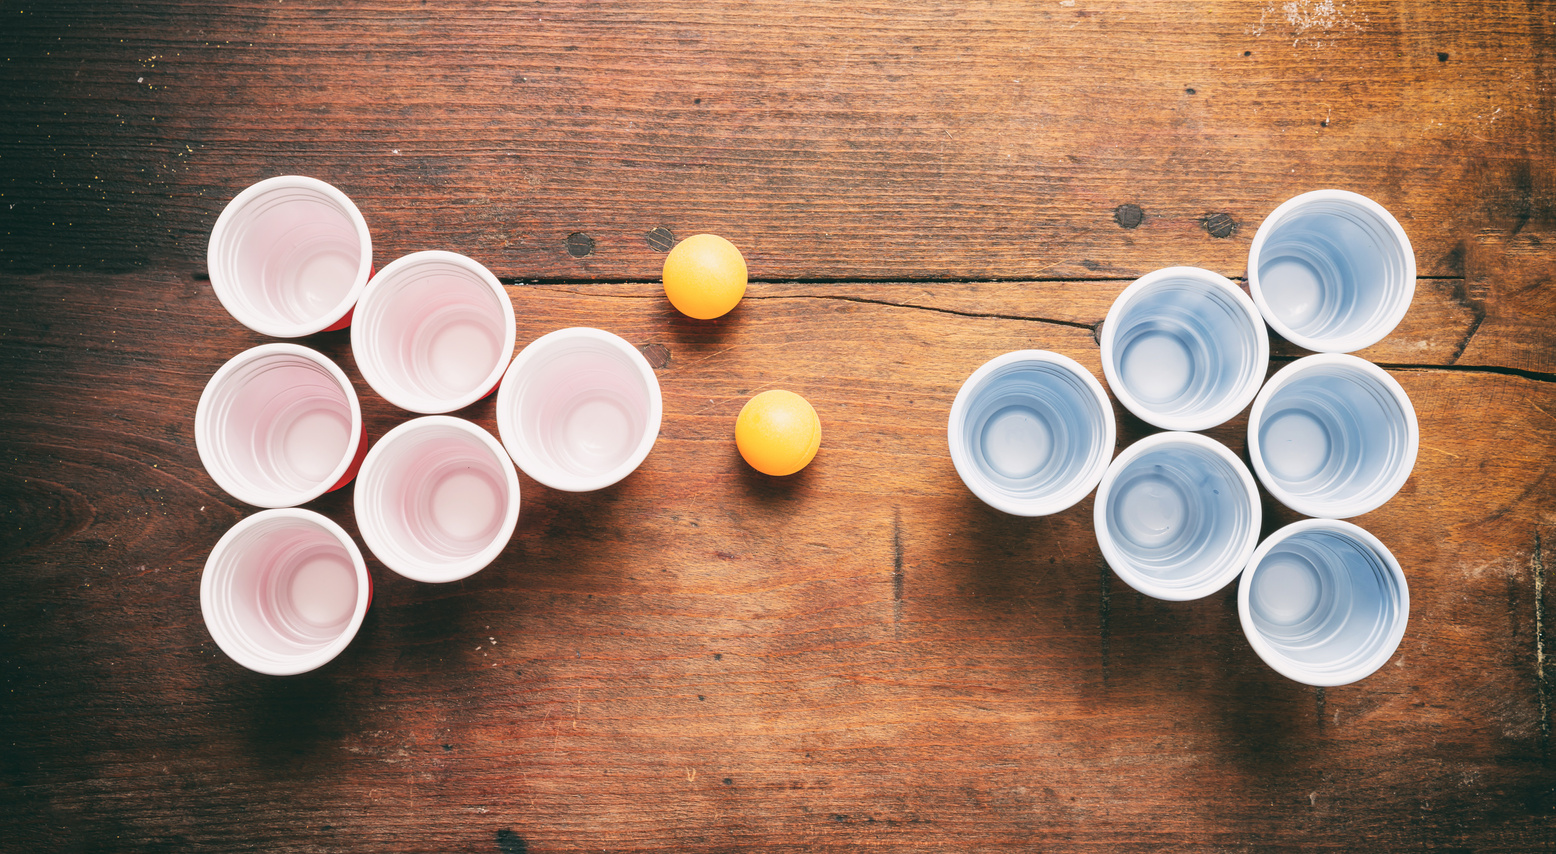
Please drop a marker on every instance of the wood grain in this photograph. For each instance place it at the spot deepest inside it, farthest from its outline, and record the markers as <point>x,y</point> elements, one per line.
<point>705,658</point>
<point>877,140</point>
<point>858,658</point>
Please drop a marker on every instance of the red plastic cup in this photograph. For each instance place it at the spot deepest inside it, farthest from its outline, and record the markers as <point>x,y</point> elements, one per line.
<point>289,257</point>
<point>438,499</point>
<point>279,425</point>
<point>579,409</point>
<point>284,591</point>
<point>433,332</point>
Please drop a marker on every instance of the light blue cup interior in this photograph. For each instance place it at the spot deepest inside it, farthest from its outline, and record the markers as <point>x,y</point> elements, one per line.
<point>1334,270</point>
<point>1184,354</point>
<point>1327,607</point>
<point>1179,520</point>
<point>1334,443</point>
<point>1034,437</point>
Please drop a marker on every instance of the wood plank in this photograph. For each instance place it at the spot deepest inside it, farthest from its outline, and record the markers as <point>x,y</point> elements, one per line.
<point>871,140</point>
<point>860,657</point>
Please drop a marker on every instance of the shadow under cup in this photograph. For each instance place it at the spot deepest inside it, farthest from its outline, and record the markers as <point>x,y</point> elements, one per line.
<point>1323,602</point>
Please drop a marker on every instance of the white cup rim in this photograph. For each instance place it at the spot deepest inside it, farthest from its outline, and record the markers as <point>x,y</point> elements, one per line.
<point>225,291</point>
<point>227,640</point>
<point>1357,340</point>
<point>1124,568</point>
<point>538,468</point>
<point>384,550</point>
<point>1332,509</point>
<point>362,329</point>
<point>1048,504</point>
<point>1141,288</point>
<point>203,424</point>
<point>1283,665</point>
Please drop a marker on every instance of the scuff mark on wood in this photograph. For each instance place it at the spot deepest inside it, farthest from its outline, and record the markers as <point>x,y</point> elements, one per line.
<point>1477,308</point>
<point>1105,613</point>
<point>1542,684</point>
<point>896,566</point>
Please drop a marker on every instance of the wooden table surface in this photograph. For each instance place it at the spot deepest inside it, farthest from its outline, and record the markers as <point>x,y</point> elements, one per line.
<point>862,657</point>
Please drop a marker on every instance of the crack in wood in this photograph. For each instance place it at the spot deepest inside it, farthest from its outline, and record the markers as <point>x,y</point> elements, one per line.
<point>1073,324</point>
<point>854,280</point>
<point>1093,327</point>
<point>1523,373</point>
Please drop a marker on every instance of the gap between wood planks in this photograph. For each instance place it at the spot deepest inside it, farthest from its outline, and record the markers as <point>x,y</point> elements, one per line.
<point>1538,376</point>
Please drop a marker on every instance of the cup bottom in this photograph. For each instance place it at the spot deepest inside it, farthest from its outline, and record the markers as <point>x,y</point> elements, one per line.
<point>1151,511</point>
<point>312,441</point>
<point>1296,445</point>
<point>1157,367</point>
<point>1016,442</point>
<point>314,598</point>
<point>316,279</point>
<point>464,508</point>
<point>459,355</point>
<point>597,433</point>
<point>1294,288</point>
<point>1287,593</point>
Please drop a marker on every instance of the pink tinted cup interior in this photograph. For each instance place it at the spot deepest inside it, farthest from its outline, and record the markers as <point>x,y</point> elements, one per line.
<point>433,332</point>
<point>279,425</point>
<point>437,499</point>
<point>284,591</point>
<point>289,256</point>
<point>579,409</point>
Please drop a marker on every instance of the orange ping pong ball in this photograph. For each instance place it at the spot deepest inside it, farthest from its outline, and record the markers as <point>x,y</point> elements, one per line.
<point>705,276</point>
<point>778,432</point>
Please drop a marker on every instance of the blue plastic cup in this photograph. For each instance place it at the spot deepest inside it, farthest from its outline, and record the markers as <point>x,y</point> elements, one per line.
<point>1331,271</point>
<point>1177,516</point>
<point>1031,432</point>
<point>1323,602</point>
<point>1184,348</point>
<point>1333,436</point>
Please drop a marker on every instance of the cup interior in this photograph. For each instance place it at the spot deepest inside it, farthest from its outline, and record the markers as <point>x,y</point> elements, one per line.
<point>1333,269</point>
<point>1335,441</point>
<point>433,332</point>
<point>436,502</point>
<point>1179,520</point>
<point>289,255</point>
<point>278,428</point>
<point>1326,606</point>
<point>582,410</point>
<point>1183,353</point>
<point>1033,437</point>
<point>283,594</point>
